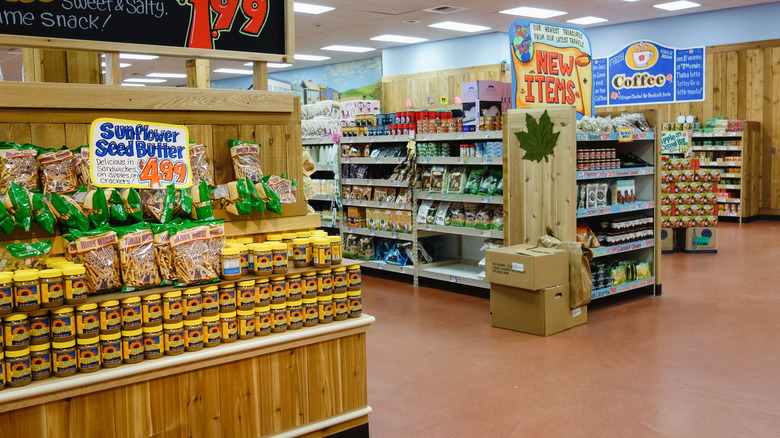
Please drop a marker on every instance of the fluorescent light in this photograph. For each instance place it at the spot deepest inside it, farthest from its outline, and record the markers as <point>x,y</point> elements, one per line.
<point>103,72</point>
<point>460,27</point>
<point>526,11</point>
<point>234,71</point>
<point>167,75</point>
<point>676,6</point>
<point>278,65</point>
<point>124,64</point>
<point>351,49</point>
<point>137,56</point>
<point>145,80</point>
<point>398,39</point>
<point>587,20</point>
<point>132,85</point>
<point>311,57</point>
<point>310,9</point>
<point>631,1</point>
<point>102,64</point>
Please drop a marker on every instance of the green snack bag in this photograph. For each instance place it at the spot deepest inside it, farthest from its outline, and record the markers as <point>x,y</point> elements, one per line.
<point>272,203</point>
<point>69,212</point>
<point>42,213</point>
<point>490,182</point>
<point>257,203</point>
<point>116,206</point>
<point>131,201</point>
<point>239,196</point>
<point>185,202</point>
<point>26,255</point>
<point>6,220</point>
<point>17,201</point>
<point>474,180</point>
<point>96,207</point>
<point>201,202</point>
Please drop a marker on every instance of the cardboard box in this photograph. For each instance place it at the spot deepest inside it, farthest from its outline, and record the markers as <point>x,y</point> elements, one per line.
<point>356,217</point>
<point>701,239</point>
<point>667,239</point>
<point>404,221</point>
<point>485,90</point>
<point>541,312</point>
<point>527,266</point>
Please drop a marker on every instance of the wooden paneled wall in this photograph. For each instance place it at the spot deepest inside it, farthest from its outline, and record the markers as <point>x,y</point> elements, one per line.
<point>418,87</point>
<point>742,82</point>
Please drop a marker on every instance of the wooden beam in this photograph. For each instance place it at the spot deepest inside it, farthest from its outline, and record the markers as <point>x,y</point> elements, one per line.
<point>260,76</point>
<point>32,65</point>
<point>198,73</point>
<point>113,74</point>
<point>289,31</point>
<point>83,67</point>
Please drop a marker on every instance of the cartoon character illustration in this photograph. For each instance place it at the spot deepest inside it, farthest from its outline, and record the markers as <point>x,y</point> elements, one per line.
<point>522,45</point>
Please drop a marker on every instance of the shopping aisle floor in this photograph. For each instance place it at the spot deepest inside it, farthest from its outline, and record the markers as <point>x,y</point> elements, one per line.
<point>703,360</point>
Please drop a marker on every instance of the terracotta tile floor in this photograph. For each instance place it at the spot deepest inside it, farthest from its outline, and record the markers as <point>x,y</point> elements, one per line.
<point>702,360</point>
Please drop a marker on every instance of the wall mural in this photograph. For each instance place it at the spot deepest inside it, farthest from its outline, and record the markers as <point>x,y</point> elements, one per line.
<point>360,79</point>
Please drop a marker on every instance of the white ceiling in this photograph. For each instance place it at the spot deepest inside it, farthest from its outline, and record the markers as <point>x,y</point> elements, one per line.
<point>355,22</point>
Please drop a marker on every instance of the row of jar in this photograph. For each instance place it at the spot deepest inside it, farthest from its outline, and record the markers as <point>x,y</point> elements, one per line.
<point>275,257</point>
<point>65,358</point>
<point>28,290</point>
<point>88,320</point>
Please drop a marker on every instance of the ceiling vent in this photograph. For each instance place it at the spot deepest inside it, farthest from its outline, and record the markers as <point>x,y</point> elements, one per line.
<point>444,9</point>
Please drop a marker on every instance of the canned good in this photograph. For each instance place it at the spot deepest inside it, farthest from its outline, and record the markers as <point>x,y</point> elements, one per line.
<point>63,357</point>
<point>246,324</point>
<point>151,310</point>
<point>212,331</point>
<point>40,361</point>
<point>340,307</point>
<point>354,279</point>
<point>52,287</point>
<point>309,280</point>
<point>173,308</point>
<point>310,312</point>
<point>279,258</point>
<point>325,309</point>
<point>278,289</point>
<point>324,282</point>
<point>17,366</point>
<point>63,325</point>
<point>87,321</point>
<point>173,338</point>
<point>110,317</point>
<point>294,287</point>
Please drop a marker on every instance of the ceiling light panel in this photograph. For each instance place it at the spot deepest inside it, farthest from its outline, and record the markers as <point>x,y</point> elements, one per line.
<point>460,27</point>
<point>351,49</point>
<point>133,85</point>
<point>306,8</point>
<point>301,57</point>
<point>137,56</point>
<point>234,71</point>
<point>587,20</point>
<point>145,80</point>
<point>676,6</point>
<point>167,75</point>
<point>398,39</point>
<point>526,11</point>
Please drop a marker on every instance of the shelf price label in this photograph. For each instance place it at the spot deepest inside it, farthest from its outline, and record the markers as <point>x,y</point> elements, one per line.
<point>454,279</point>
<point>128,153</point>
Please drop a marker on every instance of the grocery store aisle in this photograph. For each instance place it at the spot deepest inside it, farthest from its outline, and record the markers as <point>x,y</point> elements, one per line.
<point>702,360</point>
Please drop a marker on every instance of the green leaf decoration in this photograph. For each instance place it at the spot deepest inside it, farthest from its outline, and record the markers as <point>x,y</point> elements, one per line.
<point>539,141</point>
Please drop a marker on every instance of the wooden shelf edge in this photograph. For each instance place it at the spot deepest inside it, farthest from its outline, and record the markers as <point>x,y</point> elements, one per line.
<point>59,388</point>
<point>329,426</point>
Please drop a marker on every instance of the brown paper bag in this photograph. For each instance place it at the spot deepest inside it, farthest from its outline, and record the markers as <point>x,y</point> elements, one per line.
<point>579,267</point>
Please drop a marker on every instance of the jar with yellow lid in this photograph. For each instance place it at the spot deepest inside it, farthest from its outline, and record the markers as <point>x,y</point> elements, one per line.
<point>153,342</point>
<point>210,300</point>
<point>262,292</point>
<point>88,354</point>
<point>250,257</point>
<point>263,256</point>
<point>243,253</point>
<point>278,290</point>
<point>245,240</point>
<point>319,233</point>
<point>263,320</point>
<point>52,287</point>
<point>310,312</point>
<point>303,234</point>
<point>17,368</point>
<point>151,310</point>
<point>230,240</point>
<point>245,295</point>
<point>231,263</point>
<point>193,334</point>
<point>2,370</point>
<point>301,253</point>
<point>309,280</point>
<point>355,300</point>
<point>52,260</point>
<point>340,307</point>
<point>110,350</point>
<point>325,308</point>
<point>279,258</point>
<point>27,293</point>
<point>75,279</point>
<point>212,331</point>
<point>63,324</point>
<point>173,338</point>
<point>130,311</point>
<point>354,278</point>
<point>325,282</point>
<point>229,325</point>
<point>40,361</point>
<point>6,293</point>
<point>173,308</point>
<point>133,350</point>
<point>273,238</point>
<point>193,304</point>
<point>340,279</point>
<point>335,250</point>
<point>110,316</point>
<point>246,324</point>
<point>227,297</point>
<point>16,332</point>
<point>320,253</point>
<point>87,321</point>
<point>40,327</point>
<point>278,318</point>
<point>294,287</point>
<point>63,358</point>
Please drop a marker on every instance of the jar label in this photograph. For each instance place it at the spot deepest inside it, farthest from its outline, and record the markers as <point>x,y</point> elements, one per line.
<point>18,371</point>
<point>311,314</point>
<point>244,259</point>
<point>246,297</point>
<point>131,316</point>
<point>87,323</point>
<point>152,344</point>
<point>152,312</point>
<point>111,352</point>
<point>294,287</point>
<point>192,306</point>
<point>340,281</point>
<point>62,327</point>
<point>210,303</point>
<point>172,309</point>
<point>354,279</point>
<point>321,255</point>
<point>246,327</point>
<point>174,341</point>
<point>326,311</point>
<point>110,320</point>
<point>280,260</point>
<point>41,365</point>
<point>39,330</point>
<point>251,262</point>
<point>65,362</point>
<point>264,293</point>
<point>194,337</point>
<point>227,299</point>
<point>263,323</point>
<point>278,292</point>
<point>263,264</point>
<point>311,286</point>
<point>213,334</point>
<point>324,283</point>
<point>229,329</point>
<point>6,298</point>
<point>17,335</point>
<point>341,309</point>
<point>133,349</point>
<point>355,305</point>
<point>335,252</point>
<point>75,289</point>
<point>2,374</point>
<point>295,317</point>
<point>231,266</point>
<point>52,292</point>
<point>27,295</point>
<point>280,319</point>
<point>89,357</point>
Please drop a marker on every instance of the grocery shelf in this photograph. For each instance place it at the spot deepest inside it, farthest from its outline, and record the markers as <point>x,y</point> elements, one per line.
<point>700,134</point>
<point>463,231</point>
<point>612,136</point>
<point>457,197</point>
<point>613,290</point>
<point>729,200</point>
<point>319,141</point>
<point>716,148</point>
<point>376,204</point>
<point>454,271</point>
<point>725,214</point>
<point>379,233</point>
<point>325,167</point>
<point>626,247</point>
<point>719,164</point>
<point>454,136</point>
<point>731,175</point>
<point>485,161</point>
<point>372,160</point>
<point>322,198</point>
<point>382,266</point>
<point>613,209</point>
<point>329,223</point>
<point>729,186</point>
<point>614,173</point>
<point>374,182</point>
<point>376,139</point>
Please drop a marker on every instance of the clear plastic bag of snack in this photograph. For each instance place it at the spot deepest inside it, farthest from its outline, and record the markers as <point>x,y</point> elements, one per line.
<point>57,170</point>
<point>246,160</point>
<point>27,255</point>
<point>163,255</point>
<point>216,244</point>
<point>158,204</point>
<point>18,164</point>
<point>199,164</point>
<point>97,250</point>
<point>484,217</point>
<point>437,178</point>
<point>191,255</point>
<point>136,257</point>
<point>489,183</point>
<point>457,180</point>
<point>474,180</point>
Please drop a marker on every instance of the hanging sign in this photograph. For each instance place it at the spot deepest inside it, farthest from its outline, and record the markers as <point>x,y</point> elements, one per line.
<point>551,66</point>
<point>645,72</point>
<point>127,153</point>
<point>675,142</point>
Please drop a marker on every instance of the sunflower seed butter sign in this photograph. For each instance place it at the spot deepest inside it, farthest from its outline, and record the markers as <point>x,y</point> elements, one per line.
<point>551,65</point>
<point>127,153</point>
<point>646,72</point>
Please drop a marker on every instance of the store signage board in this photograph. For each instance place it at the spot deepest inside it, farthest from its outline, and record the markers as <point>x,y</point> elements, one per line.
<point>675,142</point>
<point>646,72</point>
<point>229,29</point>
<point>551,66</point>
<point>128,153</point>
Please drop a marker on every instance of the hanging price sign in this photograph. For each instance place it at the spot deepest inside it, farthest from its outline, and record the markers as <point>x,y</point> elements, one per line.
<point>127,153</point>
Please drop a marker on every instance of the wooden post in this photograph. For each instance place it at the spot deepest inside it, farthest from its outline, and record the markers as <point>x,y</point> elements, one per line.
<point>32,65</point>
<point>260,76</point>
<point>42,65</point>
<point>198,73</point>
<point>113,74</point>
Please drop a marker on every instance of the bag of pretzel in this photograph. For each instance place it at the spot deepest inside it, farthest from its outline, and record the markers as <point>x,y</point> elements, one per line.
<point>97,250</point>
<point>136,257</point>
<point>191,256</point>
